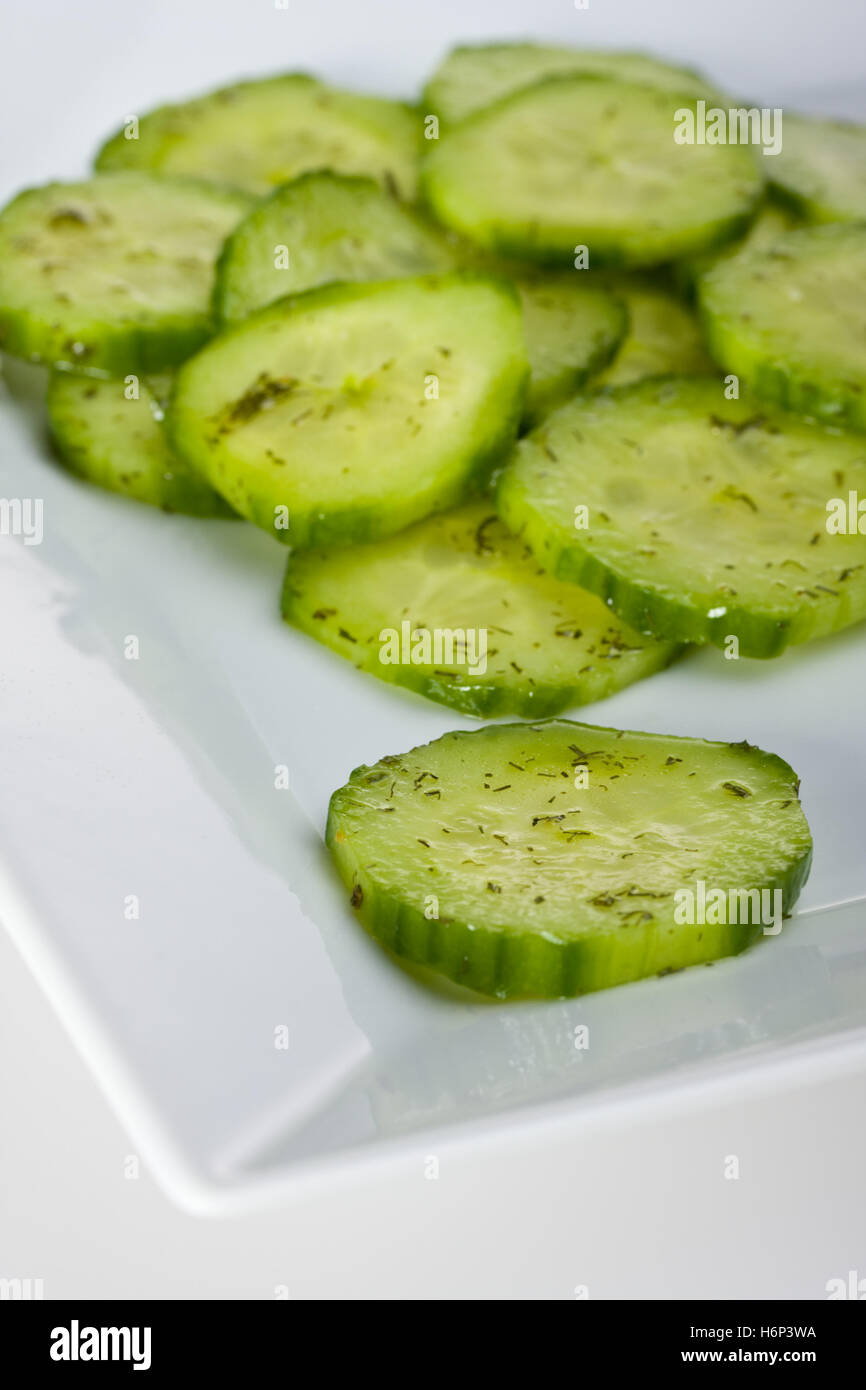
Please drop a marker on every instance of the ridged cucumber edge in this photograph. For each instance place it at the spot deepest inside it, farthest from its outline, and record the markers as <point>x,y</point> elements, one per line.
<point>142,349</point>
<point>784,384</point>
<point>428,100</point>
<point>484,700</point>
<point>226,255</point>
<point>498,241</point>
<point>652,614</point>
<point>499,962</point>
<point>208,504</point>
<point>540,402</point>
<point>120,350</point>
<point>104,162</point>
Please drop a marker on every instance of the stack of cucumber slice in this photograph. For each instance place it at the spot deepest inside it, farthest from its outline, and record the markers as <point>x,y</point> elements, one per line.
<point>538,396</point>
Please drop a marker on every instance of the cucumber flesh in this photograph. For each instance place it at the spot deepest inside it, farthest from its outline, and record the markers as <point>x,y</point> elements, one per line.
<point>572,331</point>
<point>318,228</point>
<point>112,275</point>
<point>663,337</point>
<point>543,645</point>
<point>119,443</point>
<point>588,161</point>
<point>474,76</point>
<point>257,135</point>
<point>546,859</point>
<point>821,169</point>
<point>707,518</point>
<point>347,413</point>
<point>332,227</point>
<point>790,319</point>
<point>771,223</point>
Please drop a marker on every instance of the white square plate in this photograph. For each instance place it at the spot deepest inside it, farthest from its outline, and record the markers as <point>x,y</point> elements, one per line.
<point>152,781</point>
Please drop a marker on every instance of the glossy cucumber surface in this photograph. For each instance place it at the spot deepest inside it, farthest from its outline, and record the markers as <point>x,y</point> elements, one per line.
<point>694,517</point>
<point>112,275</point>
<point>347,413</point>
<point>458,610</point>
<point>557,858</point>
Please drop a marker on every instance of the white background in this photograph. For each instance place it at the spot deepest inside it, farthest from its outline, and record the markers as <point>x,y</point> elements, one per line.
<point>515,1223</point>
<point>74,71</point>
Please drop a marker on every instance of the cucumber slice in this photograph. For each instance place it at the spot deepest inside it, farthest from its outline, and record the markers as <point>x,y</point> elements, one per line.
<point>771,223</point>
<point>351,411</point>
<point>707,518</point>
<point>572,331</point>
<point>821,169</point>
<point>789,319</point>
<point>589,161</point>
<point>664,336</point>
<point>333,227</point>
<point>326,227</point>
<point>120,444</point>
<point>257,135</point>
<point>475,76</point>
<point>525,643</point>
<point>545,859</point>
<point>114,274</point>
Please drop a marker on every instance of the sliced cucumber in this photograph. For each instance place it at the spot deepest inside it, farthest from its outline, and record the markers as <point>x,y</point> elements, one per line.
<point>572,331</point>
<point>790,319</point>
<point>821,169</point>
<point>117,440</point>
<point>323,227</point>
<point>705,518</point>
<point>554,859</point>
<point>257,135</point>
<point>475,76</point>
<point>663,337</point>
<point>511,640</point>
<point>351,411</point>
<point>114,274</point>
<point>771,223</point>
<point>587,161</point>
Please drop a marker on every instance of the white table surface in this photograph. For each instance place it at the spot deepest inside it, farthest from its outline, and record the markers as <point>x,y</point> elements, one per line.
<point>637,1208</point>
<point>635,1205</point>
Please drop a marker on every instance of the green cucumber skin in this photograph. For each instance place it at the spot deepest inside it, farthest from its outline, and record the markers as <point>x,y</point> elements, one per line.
<point>810,212</point>
<point>118,352</point>
<point>761,635</point>
<point>552,248</point>
<point>356,525</point>
<point>781,383</point>
<point>230,306</point>
<point>503,966</point>
<point>775,210</point>
<point>162,128</point>
<point>546,391</point>
<point>792,377</point>
<point>654,615</point>
<point>807,191</point>
<point>103,348</point>
<point>545,395</point>
<point>557,60</point>
<point>184,493</point>
<point>498,241</point>
<point>525,965</point>
<point>360,525</point>
<point>662,334</point>
<point>484,699</point>
<point>606,255</point>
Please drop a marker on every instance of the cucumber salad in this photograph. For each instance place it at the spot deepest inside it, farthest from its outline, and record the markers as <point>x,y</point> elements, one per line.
<point>539,392</point>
